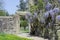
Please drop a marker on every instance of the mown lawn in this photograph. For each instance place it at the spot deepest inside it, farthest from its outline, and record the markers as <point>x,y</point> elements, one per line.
<point>11,37</point>
<point>24,31</point>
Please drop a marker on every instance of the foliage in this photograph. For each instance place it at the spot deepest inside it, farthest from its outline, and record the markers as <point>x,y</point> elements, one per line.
<point>7,14</point>
<point>24,23</point>
<point>11,37</point>
<point>3,13</point>
<point>24,31</point>
<point>22,17</point>
<point>49,16</point>
<point>22,6</point>
<point>33,8</point>
<point>38,6</point>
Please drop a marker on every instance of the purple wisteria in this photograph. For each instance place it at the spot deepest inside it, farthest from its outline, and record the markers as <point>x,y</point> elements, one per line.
<point>59,1</point>
<point>56,10</point>
<point>48,6</point>
<point>58,17</point>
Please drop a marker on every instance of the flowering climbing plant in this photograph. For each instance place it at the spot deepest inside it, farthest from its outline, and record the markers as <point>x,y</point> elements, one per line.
<point>46,21</point>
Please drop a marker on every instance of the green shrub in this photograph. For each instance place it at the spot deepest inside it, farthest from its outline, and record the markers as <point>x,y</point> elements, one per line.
<point>24,23</point>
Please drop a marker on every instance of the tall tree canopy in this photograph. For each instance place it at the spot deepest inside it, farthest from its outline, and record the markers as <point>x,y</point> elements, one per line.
<point>22,5</point>
<point>38,5</point>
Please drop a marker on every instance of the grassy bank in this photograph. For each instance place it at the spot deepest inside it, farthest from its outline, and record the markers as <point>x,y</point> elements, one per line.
<point>11,37</point>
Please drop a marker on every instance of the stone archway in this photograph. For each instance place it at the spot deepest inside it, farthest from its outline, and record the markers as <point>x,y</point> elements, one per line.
<point>18,14</point>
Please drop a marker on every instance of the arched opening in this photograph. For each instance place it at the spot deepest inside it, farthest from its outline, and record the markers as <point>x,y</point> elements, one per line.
<point>23,24</point>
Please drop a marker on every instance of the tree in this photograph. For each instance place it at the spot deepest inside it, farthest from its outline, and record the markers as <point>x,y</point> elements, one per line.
<point>22,5</point>
<point>7,14</point>
<point>3,12</point>
<point>38,5</point>
<point>24,24</point>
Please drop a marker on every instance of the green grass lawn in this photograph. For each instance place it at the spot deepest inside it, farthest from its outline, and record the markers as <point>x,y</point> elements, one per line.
<point>11,37</point>
<point>24,31</point>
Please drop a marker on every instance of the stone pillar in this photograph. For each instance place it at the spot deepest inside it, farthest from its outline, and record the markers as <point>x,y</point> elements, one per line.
<point>29,27</point>
<point>17,23</point>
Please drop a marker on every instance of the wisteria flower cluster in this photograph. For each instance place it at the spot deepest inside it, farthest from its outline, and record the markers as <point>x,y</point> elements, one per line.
<point>31,17</point>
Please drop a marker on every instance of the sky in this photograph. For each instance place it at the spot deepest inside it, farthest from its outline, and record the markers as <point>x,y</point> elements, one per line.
<point>10,6</point>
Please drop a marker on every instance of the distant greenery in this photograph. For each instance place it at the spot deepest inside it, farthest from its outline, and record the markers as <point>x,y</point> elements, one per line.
<point>3,13</point>
<point>23,22</point>
<point>24,31</point>
<point>22,5</point>
<point>22,17</point>
<point>38,5</point>
<point>11,37</point>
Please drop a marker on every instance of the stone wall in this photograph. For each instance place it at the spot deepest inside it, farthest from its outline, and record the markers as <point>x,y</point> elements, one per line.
<point>11,24</point>
<point>8,24</point>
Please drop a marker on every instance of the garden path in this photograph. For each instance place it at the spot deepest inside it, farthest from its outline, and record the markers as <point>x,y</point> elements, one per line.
<point>26,35</point>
